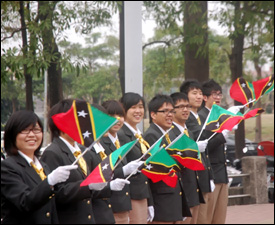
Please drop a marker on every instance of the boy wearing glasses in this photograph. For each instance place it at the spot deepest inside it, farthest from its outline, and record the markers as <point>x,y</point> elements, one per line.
<point>212,92</point>
<point>169,203</point>
<point>193,90</point>
<point>189,177</point>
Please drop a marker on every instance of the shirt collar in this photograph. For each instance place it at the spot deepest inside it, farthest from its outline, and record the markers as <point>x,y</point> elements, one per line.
<point>72,148</point>
<point>163,131</point>
<point>132,129</point>
<point>194,114</point>
<point>181,128</point>
<point>29,160</point>
<point>98,148</point>
<point>112,138</point>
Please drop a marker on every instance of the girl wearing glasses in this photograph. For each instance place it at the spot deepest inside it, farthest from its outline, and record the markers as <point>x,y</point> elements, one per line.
<point>27,187</point>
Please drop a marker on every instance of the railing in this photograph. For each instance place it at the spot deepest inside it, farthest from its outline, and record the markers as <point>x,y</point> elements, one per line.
<point>238,195</point>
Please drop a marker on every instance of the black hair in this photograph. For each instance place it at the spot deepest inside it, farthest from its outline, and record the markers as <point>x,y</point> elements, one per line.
<point>19,121</point>
<point>114,107</point>
<point>157,102</point>
<point>99,107</point>
<point>129,99</point>
<point>60,107</point>
<point>189,85</point>
<point>179,96</point>
<point>209,86</point>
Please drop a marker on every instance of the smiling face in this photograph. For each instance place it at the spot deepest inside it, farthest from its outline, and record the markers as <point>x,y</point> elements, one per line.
<point>135,114</point>
<point>195,99</point>
<point>182,111</point>
<point>29,142</point>
<point>118,125</point>
<point>164,116</point>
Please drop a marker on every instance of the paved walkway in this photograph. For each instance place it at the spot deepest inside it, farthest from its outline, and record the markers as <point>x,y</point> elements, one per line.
<point>250,214</point>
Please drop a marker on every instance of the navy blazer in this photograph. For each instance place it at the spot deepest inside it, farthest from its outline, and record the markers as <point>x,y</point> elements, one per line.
<point>170,204</point>
<point>25,198</point>
<point>216,150</point>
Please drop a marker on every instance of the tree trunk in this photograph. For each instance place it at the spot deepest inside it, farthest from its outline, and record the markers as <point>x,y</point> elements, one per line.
<point>28,77</point>
<point>258,130</point>
<point>195,25</point>
<point>121,70</point>
<point>50,49</point>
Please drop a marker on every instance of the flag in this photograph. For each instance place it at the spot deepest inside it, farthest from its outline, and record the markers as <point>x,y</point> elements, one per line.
<point>220,119</point>
<point>242,91</point>
<point>263,86</point>
<point>253,113</point>
<point>104,171</point>
<point>186,152</point>
<point>161,167</point>
<point>83,122</point>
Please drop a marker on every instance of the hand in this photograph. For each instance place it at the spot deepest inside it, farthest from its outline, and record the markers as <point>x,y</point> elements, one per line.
<point>212,185</point>
<point>118,184</point>
<point>202,145</point>
<point>97,186</point>
<point>225,133</point>
<point>235,109</point>
<point>235,127</point>
<point>131,167</point>
<point>60,174</point>
<point>151,213</point>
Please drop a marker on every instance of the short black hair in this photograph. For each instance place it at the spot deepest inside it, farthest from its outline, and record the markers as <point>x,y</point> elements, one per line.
<point>189,85</point>
<point>179,96</point>
<point>19,121</point>
<point>114,107</point>
<point>129,99</point>
<point>209,86</point>
<point>60,107</point>
<point>156,102</point>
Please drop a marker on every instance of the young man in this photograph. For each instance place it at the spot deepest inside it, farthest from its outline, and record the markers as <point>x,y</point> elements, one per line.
<point>189,177</point>
<point>194,92</point>
<point>169,207</point>
<point>212,92</point>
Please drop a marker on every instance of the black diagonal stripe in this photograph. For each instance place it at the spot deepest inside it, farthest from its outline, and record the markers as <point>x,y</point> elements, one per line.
<point>184,153</point>
<point>156,168</point>
<point>246,90</point>
<point>213,124</point>
<point>84,123</point>
<point>266,88</point>
<point>108,172</point>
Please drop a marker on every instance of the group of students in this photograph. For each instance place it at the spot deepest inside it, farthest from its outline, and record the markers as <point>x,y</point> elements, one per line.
<point>46,188</point>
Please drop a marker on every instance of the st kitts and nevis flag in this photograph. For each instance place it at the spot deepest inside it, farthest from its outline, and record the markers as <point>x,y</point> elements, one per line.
<point>104,170</point>
<point>242,91</point>
<point>84,123</point>
<point>263,86</point>
<point>220,119</point>
<point>186,152</point>
<point>161,167</point>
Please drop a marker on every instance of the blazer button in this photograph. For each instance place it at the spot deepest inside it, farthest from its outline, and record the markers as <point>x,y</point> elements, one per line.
<point>206,156</point>
<point>110,206</point>
<point>48,214</point>
<point>127,193</point>
<point>198,190</point>
<point>197,177</point>
<point>209,168</point>
<point>88,202</point>
<point>180,193</point>
<point>225,163</point>
<point>179,178</point>
<point>146,182</point>
<point>89,217</point>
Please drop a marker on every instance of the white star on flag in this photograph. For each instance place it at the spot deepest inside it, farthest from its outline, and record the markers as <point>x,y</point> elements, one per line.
<point>86,134</point>
<point>105,167</point>
<point>149,167</point>
<point>243,85</point>
<point>82,113</point>
<point>218,124</point>
<point>269,84</point>
<point>179,153</point>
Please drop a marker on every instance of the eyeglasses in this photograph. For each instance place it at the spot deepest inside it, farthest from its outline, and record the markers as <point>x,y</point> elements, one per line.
<point>215,95</point>
<point>182,107</point>
<point>35,130</point>
<point>167,111</point>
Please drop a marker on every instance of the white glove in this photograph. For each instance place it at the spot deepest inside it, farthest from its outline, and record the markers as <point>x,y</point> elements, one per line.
<point>225,133</point>
<point>235,127</point>
<point>235,109</point>
<point>202,145</point>
<point>151,213</point>
<point>212,185</point>
<point>118,184</point>
<point>97,186</point>
<point>131,167</point>
<point>60,174</point>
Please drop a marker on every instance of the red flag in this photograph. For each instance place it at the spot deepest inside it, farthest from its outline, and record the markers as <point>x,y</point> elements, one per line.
<point>263,86</point>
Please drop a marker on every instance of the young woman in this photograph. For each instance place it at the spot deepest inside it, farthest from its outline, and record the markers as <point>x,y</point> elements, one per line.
<point>27,186</point>
<point>140,193</point>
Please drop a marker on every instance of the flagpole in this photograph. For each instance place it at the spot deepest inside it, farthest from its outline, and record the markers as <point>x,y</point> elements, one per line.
<point>124,155</point>
<point>92,145</point>
<point>204,125</point>
<point>154,144</point>
<point>178,137</point>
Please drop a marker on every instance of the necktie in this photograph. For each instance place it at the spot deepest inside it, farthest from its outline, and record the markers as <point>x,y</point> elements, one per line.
<point>39,172</point>
<point>168,138</point>
<point>199,121</point>
<point>81,162</point>
<point>186,132</point>
<point>143,144</point>
<point>117,144</point>
<point>102,155</point>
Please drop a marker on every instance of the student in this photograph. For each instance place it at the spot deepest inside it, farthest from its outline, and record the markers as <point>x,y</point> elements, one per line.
<point>193,90</point>
<point>27,186</point>
<point>140,192</point>
<point>74,203</point>
<point>169,203</point>
<point>189,177</point>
